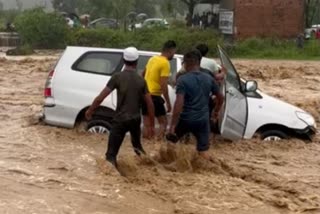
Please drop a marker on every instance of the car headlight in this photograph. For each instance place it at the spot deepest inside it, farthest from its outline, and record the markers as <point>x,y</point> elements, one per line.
<point>307,118</point>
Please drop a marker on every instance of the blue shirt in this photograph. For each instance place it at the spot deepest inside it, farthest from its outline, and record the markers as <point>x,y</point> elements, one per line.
<point>197,87</point>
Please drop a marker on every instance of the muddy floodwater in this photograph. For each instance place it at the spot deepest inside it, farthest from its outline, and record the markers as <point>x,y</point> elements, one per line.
<point>48,170</point>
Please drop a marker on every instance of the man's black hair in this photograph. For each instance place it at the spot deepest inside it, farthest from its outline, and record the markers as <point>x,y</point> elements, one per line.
<point>130,63</point>
<point>203,48</point>
<point>193,56</point>
<point>170,44</point>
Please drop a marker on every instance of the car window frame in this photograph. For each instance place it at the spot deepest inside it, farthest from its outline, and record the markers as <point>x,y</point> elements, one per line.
<point>77,62</point>
<point>238,78</point>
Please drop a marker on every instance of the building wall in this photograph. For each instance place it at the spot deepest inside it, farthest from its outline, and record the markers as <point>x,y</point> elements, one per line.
<point>282,18</point>
<point>227,4</point>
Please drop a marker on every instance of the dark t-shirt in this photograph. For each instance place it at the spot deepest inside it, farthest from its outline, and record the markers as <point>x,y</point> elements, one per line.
<point>196,87</point>
<point>131,89</point>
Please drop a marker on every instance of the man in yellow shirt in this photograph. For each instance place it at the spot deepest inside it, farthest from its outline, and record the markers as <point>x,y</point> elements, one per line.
<point>156,74</point>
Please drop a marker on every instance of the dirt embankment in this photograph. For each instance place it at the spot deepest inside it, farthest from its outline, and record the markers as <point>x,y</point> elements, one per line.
<point>52,170</point>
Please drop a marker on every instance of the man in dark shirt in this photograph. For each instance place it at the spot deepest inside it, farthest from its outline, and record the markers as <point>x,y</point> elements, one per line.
<point>131,93</point>
<point>191,108</point>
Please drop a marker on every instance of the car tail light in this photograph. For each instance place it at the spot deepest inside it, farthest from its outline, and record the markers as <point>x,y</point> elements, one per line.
<point>47,90</point>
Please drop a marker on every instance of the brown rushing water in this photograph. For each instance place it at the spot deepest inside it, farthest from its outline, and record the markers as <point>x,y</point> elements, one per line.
<point>46,169</point>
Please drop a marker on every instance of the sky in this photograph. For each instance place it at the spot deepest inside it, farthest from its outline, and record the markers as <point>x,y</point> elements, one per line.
<point>11,4</point>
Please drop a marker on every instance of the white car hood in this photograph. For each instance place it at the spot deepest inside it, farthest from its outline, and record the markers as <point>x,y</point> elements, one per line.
<point>270,110</point>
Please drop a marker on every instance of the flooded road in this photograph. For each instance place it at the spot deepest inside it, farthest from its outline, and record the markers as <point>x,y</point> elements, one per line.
<point>46,169</point>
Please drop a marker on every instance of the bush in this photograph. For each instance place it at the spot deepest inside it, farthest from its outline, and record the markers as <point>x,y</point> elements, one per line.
<point>41,30</point>
<point>276,49</point>
<point>145,39</point>
<point>20,51</point>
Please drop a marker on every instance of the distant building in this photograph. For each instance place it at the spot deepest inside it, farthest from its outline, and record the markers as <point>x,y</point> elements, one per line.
<point>262,18</point>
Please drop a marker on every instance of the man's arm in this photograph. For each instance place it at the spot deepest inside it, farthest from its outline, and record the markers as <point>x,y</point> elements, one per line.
<point>177,109</point>
<point>164,89</point>
<point>144,73</point>
<point>218,105</point>
<point>97,101</point>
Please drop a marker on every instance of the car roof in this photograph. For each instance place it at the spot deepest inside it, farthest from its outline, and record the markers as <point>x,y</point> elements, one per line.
<point>103,19</point>
<point>155,19</point>
<point>94,49</point>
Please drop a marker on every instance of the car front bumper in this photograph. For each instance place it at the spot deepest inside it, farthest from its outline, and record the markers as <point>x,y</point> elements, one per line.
<point>307,134</point>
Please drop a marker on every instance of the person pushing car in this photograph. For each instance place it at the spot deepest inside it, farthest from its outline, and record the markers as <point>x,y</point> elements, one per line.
<point>132,91</point>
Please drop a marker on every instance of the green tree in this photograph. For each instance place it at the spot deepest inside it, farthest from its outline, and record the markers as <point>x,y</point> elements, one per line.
<point>41,30</point>
<point>121,8</point>
<point>191,4</point>
<point>19,5</point>
<point>65,5</point>
<point>312,10</point>
<point>144,6</point>
<point>1,6</point>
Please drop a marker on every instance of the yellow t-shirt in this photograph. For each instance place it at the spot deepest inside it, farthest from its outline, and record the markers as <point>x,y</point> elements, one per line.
<point>157,67</point>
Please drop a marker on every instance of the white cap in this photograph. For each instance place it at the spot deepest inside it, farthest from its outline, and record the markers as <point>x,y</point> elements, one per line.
<point>130,54</point>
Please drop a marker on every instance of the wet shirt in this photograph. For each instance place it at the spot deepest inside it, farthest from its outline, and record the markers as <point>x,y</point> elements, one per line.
<point>196,87</point>
<point>131,89</point>
<point>210,64</point>
<point>157,67</point>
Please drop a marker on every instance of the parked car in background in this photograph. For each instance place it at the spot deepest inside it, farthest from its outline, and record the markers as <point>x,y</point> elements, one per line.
<point>155,22</point>
<point>311,32</point>
<point>82,72</point>
<point>104,23</point>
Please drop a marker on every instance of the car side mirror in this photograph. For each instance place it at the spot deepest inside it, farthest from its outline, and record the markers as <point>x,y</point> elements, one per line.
<point>251,86</point>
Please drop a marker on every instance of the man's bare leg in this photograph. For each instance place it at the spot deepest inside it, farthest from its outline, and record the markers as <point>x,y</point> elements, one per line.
<point>146,126</point>
<point>163,127</point>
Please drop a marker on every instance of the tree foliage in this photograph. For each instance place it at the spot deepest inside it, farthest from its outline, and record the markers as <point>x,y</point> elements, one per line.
<point>19,5</point>
<point>41,30</point>
<point>106,8</point>
<point>312,11</point>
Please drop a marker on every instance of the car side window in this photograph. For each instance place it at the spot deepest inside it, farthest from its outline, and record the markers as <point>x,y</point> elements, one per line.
<point>98,62</point>
<point>143,60</point>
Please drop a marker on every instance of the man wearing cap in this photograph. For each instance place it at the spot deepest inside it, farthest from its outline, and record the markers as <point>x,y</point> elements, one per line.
<point>131,93</point>
<point>191,108</point>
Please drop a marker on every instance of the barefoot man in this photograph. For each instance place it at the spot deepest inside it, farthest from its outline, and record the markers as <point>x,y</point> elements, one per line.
<point>131,93</point>
<point>191,108</point>
<point>156,74</point>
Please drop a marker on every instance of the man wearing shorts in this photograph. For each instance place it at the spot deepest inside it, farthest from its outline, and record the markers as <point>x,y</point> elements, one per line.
<point>156,74</point>
<point>132,92</point>
<point>191,108</point>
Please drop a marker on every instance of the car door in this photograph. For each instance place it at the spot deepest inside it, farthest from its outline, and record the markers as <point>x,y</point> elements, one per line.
<point>235,112</point>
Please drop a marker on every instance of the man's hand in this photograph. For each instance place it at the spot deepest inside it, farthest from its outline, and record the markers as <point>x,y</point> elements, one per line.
<point>97,101</point>
<point>88,114</point>
<point>169,108</point>
<point>215,116</point>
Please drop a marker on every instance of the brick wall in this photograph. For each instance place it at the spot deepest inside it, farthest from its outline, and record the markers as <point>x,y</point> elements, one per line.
<point>283,18</point>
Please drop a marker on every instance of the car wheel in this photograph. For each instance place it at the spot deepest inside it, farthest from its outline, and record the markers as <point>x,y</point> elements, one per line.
<point>96,126</point>
<point>273,135</point>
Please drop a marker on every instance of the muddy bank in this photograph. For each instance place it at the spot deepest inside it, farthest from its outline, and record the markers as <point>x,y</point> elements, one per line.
<point>52,170</point>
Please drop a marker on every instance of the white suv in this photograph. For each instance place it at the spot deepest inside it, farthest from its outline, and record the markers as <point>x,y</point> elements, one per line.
<point>82,72</point>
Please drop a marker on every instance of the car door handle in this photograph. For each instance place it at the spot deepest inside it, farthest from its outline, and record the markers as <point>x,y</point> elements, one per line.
<point>230,92</point>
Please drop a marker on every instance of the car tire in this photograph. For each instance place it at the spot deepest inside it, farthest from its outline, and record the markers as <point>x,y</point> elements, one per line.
<point>99,126</point>
<point>273,135</point>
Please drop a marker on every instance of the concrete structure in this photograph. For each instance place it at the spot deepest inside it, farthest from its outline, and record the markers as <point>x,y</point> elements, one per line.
<point>266,18</point>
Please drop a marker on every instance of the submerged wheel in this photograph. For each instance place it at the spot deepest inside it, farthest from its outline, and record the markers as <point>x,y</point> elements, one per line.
<point>273,135</point>
<point>96,126</point>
